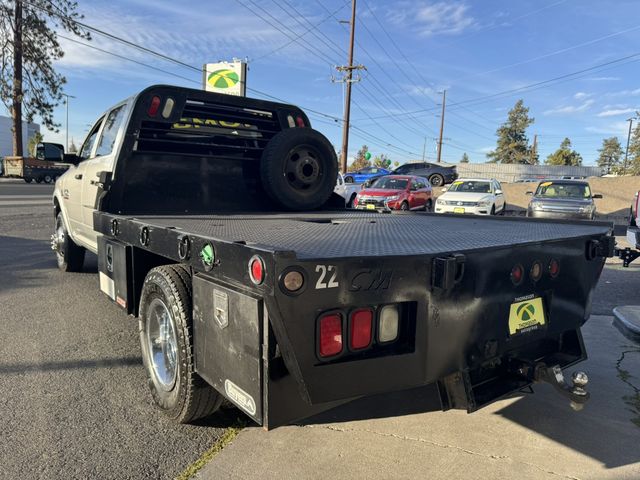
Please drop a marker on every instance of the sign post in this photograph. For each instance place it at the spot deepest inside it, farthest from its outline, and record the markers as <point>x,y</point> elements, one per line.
<point>225,77</point>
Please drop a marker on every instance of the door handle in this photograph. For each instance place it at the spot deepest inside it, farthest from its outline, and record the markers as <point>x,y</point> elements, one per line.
<point>78,176</point>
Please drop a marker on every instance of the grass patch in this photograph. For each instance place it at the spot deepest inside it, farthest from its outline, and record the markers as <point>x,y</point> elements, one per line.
<point>226,438</point>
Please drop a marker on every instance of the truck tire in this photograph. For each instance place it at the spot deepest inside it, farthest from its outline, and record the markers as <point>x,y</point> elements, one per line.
<point>70,256</point>
<point>28,179</point>
<point>166,339</point>
<point>299,169</point>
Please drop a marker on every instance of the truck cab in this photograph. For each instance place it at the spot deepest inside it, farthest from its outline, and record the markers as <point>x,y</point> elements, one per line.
<point>76,191</point>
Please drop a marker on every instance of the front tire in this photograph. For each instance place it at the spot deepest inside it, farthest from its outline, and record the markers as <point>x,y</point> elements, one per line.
<point>404,206</point>
<point>493,210</point>
<point>70,257</point>
<point>28,179</point>
<point>436,180</point>
<point>166,338</point>
<point>351,200</point>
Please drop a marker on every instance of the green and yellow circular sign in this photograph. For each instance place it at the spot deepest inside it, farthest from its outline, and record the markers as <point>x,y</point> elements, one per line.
<point>223,78</point>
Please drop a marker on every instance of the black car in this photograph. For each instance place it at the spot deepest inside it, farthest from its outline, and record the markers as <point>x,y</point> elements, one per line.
<point>438,175</point>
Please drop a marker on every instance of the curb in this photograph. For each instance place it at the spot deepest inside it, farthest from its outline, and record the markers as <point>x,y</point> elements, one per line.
<point>623,321</point>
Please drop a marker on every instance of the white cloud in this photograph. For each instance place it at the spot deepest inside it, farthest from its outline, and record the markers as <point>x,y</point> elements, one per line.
<point>615,128</point>
<point>603,79</point>
<point>582,95</point>
<point>433,18</point>
<point>624,93</point>
<point>616,111</point>
<point>569,109</point>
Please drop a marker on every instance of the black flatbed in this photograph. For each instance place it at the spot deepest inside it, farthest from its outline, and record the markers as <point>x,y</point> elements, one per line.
<point>363,234</point>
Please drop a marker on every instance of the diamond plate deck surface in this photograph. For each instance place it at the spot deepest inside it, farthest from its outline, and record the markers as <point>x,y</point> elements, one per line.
<point>333,235</point>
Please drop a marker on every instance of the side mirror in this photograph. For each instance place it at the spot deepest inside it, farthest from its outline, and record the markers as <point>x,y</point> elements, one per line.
<point>71,158</point>
<point>529,193</point>
<point>444,189</point>
<point>597,195</point>
<point>498,192</point>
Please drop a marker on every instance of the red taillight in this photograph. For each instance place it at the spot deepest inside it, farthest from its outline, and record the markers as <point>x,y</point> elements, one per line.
<point>300,122</point>
<point>361,327</point>
<point>517,274</point>
<point>330,335</point>
<point>256,270</point>
<point>155,105</point>
<point>554,268</point>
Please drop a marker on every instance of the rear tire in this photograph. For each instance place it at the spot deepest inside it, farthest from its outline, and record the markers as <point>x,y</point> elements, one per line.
<point>39,180</point>
<point>28,179</point>
<point>504,210</point>
<point>166,339</point>
<point>436,180</point>
<point>70,257</point>
<point>428,207</point>
<point>299,169</point>
<point>48,179</point>
<point>348,179</point>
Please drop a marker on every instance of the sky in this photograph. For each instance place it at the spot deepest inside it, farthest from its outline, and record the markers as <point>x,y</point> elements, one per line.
<point>567,59</point>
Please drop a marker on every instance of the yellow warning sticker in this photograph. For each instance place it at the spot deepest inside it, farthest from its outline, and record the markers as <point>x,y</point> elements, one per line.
<point>456,183</point>
<point>546,184</point>
<point>526,316</point>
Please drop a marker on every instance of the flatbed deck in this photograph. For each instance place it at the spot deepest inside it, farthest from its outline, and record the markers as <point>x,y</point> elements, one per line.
<point>360,234</point>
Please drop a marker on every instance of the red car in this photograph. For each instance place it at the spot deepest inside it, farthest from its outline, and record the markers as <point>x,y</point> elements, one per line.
<point>396,192</point>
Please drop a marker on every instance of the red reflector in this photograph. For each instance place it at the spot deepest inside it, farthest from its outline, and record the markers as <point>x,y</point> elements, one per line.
<point>517,273</point>
<point>300,122</point>
<point>361,324</point>
<point>155,105</point>
<point>554,268</point>
<point>256,270</point>
<point>330,335</point>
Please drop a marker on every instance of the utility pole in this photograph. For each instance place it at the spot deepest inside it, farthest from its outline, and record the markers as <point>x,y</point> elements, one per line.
<point>66,144</point>
<point>16,107</point>
<point>444,102</point>
<point>626,153</point>
<point>533,150</point>
<point>348,79</point>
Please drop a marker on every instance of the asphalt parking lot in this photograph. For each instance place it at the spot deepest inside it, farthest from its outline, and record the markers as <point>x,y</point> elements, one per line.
<point>74,404</point>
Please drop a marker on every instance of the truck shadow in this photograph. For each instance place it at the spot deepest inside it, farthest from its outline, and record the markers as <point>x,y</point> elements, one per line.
<point>28,263</point>
<point>23,368</point>
<point>543,413</point>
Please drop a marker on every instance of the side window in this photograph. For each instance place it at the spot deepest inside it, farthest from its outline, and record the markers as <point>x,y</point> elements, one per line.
<point>87,146</point>
<point>414,185</point>
<point>373,170</point>
<point>110,130</point>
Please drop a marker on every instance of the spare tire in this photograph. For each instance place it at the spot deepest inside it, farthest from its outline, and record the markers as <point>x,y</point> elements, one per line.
<point>299,169</point>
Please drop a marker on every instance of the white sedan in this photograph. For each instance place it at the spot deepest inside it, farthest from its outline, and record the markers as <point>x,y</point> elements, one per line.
<point>472,196</point>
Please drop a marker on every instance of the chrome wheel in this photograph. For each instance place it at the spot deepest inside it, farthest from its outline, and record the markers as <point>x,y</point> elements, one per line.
<point>57,239</point>
<point>162,344</point>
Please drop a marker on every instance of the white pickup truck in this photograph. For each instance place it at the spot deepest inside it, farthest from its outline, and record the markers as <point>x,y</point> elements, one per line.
<point>348,191</point>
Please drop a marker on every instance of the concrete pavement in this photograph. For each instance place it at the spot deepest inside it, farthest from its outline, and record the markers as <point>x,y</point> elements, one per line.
<point>528,436</point>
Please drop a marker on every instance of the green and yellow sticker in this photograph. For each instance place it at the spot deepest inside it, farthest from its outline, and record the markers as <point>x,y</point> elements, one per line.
<point>526,316</point>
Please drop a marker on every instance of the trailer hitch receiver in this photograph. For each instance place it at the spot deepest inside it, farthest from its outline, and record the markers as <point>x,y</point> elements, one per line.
<point>575,392</point>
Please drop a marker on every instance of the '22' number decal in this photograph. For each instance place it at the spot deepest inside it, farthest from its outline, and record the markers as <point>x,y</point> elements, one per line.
<point>324,271</point>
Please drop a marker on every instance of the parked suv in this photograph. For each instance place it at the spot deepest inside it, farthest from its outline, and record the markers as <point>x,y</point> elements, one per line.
<point>396,192</point>
<point>569,199</point>
<point>438,175</point>
<point>473,196</point>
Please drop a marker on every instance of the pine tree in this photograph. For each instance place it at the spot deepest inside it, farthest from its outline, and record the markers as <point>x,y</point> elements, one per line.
<point>565,155</point>
<point>513,143</point>
<point>29,49</point>
<point>465,158</point>
<point>610,154</point>
<point>633,160</point>
<point>360,160</point>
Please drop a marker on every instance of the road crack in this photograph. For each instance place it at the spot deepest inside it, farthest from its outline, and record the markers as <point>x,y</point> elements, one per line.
<point>441,445</point>
<point>633,400</point>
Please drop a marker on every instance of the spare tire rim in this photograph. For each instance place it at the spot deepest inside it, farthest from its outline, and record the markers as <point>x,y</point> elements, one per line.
<point>302,167</point>
<point>162,344</point>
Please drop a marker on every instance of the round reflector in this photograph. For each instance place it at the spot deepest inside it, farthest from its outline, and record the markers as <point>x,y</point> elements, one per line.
<point>554,268</point>
<point>517,274</point>
<point>293,281</point>
<point>256,269</point>
<point>536,271</point>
